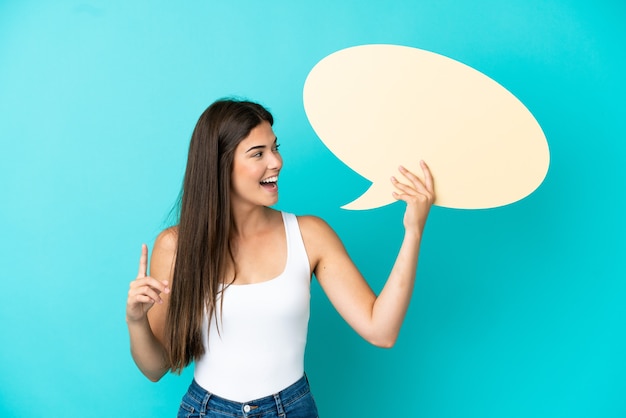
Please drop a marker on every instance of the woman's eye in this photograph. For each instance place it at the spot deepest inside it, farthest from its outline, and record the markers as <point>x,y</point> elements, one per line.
<point>276,147</point>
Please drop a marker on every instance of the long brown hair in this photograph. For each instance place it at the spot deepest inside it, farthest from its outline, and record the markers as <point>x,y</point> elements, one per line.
<point>206,224</point>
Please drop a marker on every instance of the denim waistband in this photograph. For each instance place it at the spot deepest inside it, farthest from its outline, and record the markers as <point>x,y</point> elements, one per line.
<point>276,402</point>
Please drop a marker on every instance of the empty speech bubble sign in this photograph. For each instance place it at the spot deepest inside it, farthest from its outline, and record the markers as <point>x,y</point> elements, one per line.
<point>379,106</point>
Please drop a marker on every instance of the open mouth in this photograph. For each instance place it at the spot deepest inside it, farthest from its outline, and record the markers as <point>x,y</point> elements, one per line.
<point>270,183</point>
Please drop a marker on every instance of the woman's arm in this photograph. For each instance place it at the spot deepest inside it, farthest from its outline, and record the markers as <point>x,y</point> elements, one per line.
<point>146,307</point>
<point>376,318</point>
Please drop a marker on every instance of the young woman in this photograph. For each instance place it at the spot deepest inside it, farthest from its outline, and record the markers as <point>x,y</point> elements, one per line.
<point>229,286</point>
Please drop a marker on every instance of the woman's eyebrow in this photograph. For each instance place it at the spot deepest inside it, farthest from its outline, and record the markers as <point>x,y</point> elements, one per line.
<point>260,146</point>
<point>255,148</point>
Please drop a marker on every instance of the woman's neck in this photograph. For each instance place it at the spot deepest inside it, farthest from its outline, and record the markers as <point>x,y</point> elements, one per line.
<point>252,220</point>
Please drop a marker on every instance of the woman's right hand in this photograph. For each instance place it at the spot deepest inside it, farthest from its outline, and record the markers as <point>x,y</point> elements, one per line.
<point>144,291</point>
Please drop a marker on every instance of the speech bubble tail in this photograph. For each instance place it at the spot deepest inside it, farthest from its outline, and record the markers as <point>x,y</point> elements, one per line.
<point>376,196</point>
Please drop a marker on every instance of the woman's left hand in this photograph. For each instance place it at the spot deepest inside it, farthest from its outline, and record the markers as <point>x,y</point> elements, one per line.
<point>419,196</point>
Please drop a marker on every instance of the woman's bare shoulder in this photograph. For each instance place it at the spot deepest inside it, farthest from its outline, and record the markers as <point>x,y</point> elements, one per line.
<point>316,231</point>
<point>308,218</point>
<point>167,240</point>
<point>164,253</point>
<point>312,224</point>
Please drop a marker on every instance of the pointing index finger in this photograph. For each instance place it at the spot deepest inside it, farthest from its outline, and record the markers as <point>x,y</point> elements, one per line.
<point>143,261</point>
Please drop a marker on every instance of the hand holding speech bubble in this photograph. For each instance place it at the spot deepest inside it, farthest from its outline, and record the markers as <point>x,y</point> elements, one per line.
<point>380,106</point>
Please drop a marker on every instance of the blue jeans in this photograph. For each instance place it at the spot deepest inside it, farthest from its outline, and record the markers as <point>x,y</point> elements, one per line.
<point>296,401</point>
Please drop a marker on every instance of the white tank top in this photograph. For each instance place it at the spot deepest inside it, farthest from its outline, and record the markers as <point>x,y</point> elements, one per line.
<point>262,334</point>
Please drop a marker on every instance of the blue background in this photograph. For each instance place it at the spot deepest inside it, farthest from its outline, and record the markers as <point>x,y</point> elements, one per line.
<point>518,311</point>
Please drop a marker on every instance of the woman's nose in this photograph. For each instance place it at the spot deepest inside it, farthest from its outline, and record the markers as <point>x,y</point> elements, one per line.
<point>276,161</point>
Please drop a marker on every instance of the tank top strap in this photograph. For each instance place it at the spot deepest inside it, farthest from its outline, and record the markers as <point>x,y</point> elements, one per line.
<point>296,252</point>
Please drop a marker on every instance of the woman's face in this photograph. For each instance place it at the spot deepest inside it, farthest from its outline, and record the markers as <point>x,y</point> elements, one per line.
<point>256,165</point>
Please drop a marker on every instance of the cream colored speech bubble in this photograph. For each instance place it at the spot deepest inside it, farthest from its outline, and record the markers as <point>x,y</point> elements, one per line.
<point>378,106</point>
